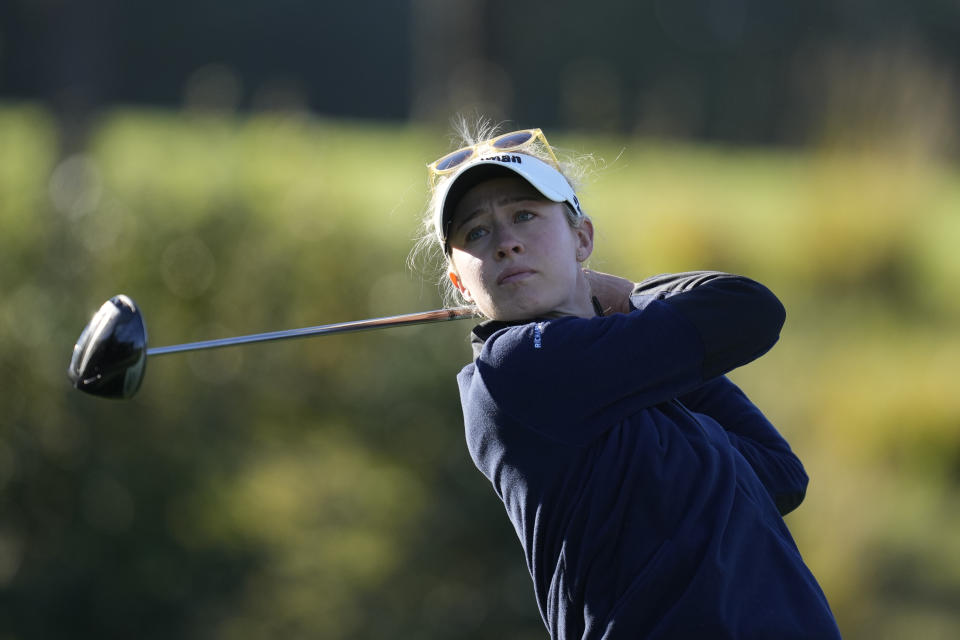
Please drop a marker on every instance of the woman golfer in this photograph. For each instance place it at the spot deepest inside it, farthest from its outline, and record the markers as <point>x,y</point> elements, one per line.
<point>646,489</point>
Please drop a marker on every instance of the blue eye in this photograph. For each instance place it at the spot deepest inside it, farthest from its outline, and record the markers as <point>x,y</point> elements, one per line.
<point>523,216</point>
<point>474,234</point>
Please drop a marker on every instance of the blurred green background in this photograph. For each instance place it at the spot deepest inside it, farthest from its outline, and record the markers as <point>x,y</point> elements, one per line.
<point>260,166</point>
<point>321,488</point>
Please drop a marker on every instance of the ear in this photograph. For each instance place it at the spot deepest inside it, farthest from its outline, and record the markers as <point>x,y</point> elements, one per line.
<point>584,235</point>
<point>455,279</point>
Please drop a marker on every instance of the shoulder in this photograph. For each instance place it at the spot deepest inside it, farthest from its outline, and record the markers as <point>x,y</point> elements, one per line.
<point>502,337</point>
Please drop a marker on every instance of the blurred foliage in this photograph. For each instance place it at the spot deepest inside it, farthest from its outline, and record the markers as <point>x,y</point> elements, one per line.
<point>321,488</point>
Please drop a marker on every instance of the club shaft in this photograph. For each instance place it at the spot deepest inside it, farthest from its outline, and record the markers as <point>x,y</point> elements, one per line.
<point>422,317</point>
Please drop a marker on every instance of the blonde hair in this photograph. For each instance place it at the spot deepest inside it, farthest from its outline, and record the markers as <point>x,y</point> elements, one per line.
<point>428,253</point>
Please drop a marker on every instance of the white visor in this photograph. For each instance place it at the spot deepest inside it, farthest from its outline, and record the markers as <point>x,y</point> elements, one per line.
<point>542,176</point>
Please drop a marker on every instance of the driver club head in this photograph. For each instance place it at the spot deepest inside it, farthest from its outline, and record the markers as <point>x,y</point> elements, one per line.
<point>110,357</point>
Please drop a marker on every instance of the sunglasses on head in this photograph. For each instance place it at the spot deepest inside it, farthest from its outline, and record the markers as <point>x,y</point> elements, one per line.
<point>505,142</point>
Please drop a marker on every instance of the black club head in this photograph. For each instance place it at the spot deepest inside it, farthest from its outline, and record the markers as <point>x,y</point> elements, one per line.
<point>110,357</point>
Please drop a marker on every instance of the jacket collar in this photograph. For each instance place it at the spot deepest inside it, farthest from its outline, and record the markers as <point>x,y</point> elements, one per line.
<point>480,333</point>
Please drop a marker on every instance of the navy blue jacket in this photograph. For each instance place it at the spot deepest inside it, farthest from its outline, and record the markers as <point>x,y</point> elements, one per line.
<point>646,489</point>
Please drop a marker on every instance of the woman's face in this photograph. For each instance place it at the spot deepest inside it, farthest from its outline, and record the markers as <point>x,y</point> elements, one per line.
<point>515,255</point>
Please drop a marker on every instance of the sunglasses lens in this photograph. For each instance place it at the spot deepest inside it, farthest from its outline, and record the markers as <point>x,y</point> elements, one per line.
<point>511,140</point>
<point>452,160</point>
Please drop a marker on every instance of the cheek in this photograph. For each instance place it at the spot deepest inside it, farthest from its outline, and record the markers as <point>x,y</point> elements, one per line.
<point>468,270</point>
<point>565,245</point>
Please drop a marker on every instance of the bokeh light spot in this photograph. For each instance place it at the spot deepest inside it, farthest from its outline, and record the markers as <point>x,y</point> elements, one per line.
<point>187,267</point>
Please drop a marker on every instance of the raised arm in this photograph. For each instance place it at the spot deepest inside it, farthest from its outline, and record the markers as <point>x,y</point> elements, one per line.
<point>576,371</point>
<point>749,431</point>
<point>745,319</point>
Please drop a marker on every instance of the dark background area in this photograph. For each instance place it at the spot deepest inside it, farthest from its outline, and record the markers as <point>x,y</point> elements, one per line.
<point>726,70</point>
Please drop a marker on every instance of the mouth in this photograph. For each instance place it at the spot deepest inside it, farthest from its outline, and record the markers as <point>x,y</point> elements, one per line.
<point>514,275</point>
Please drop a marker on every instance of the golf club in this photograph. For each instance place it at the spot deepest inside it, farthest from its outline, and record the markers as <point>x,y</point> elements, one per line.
<point>110,356</point>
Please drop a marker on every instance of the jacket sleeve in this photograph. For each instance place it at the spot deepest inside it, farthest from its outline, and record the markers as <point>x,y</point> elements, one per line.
<point>572,377</point>
<point>735,316</point>
<point>757,440</point>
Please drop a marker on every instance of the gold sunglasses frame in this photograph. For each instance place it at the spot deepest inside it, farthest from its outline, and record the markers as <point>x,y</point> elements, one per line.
<point>489,145</point>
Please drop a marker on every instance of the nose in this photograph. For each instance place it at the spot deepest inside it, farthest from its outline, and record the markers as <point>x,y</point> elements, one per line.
<point>507,243</point>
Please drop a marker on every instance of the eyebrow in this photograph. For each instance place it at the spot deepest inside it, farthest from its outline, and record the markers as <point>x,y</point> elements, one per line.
<point>500,202</point>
